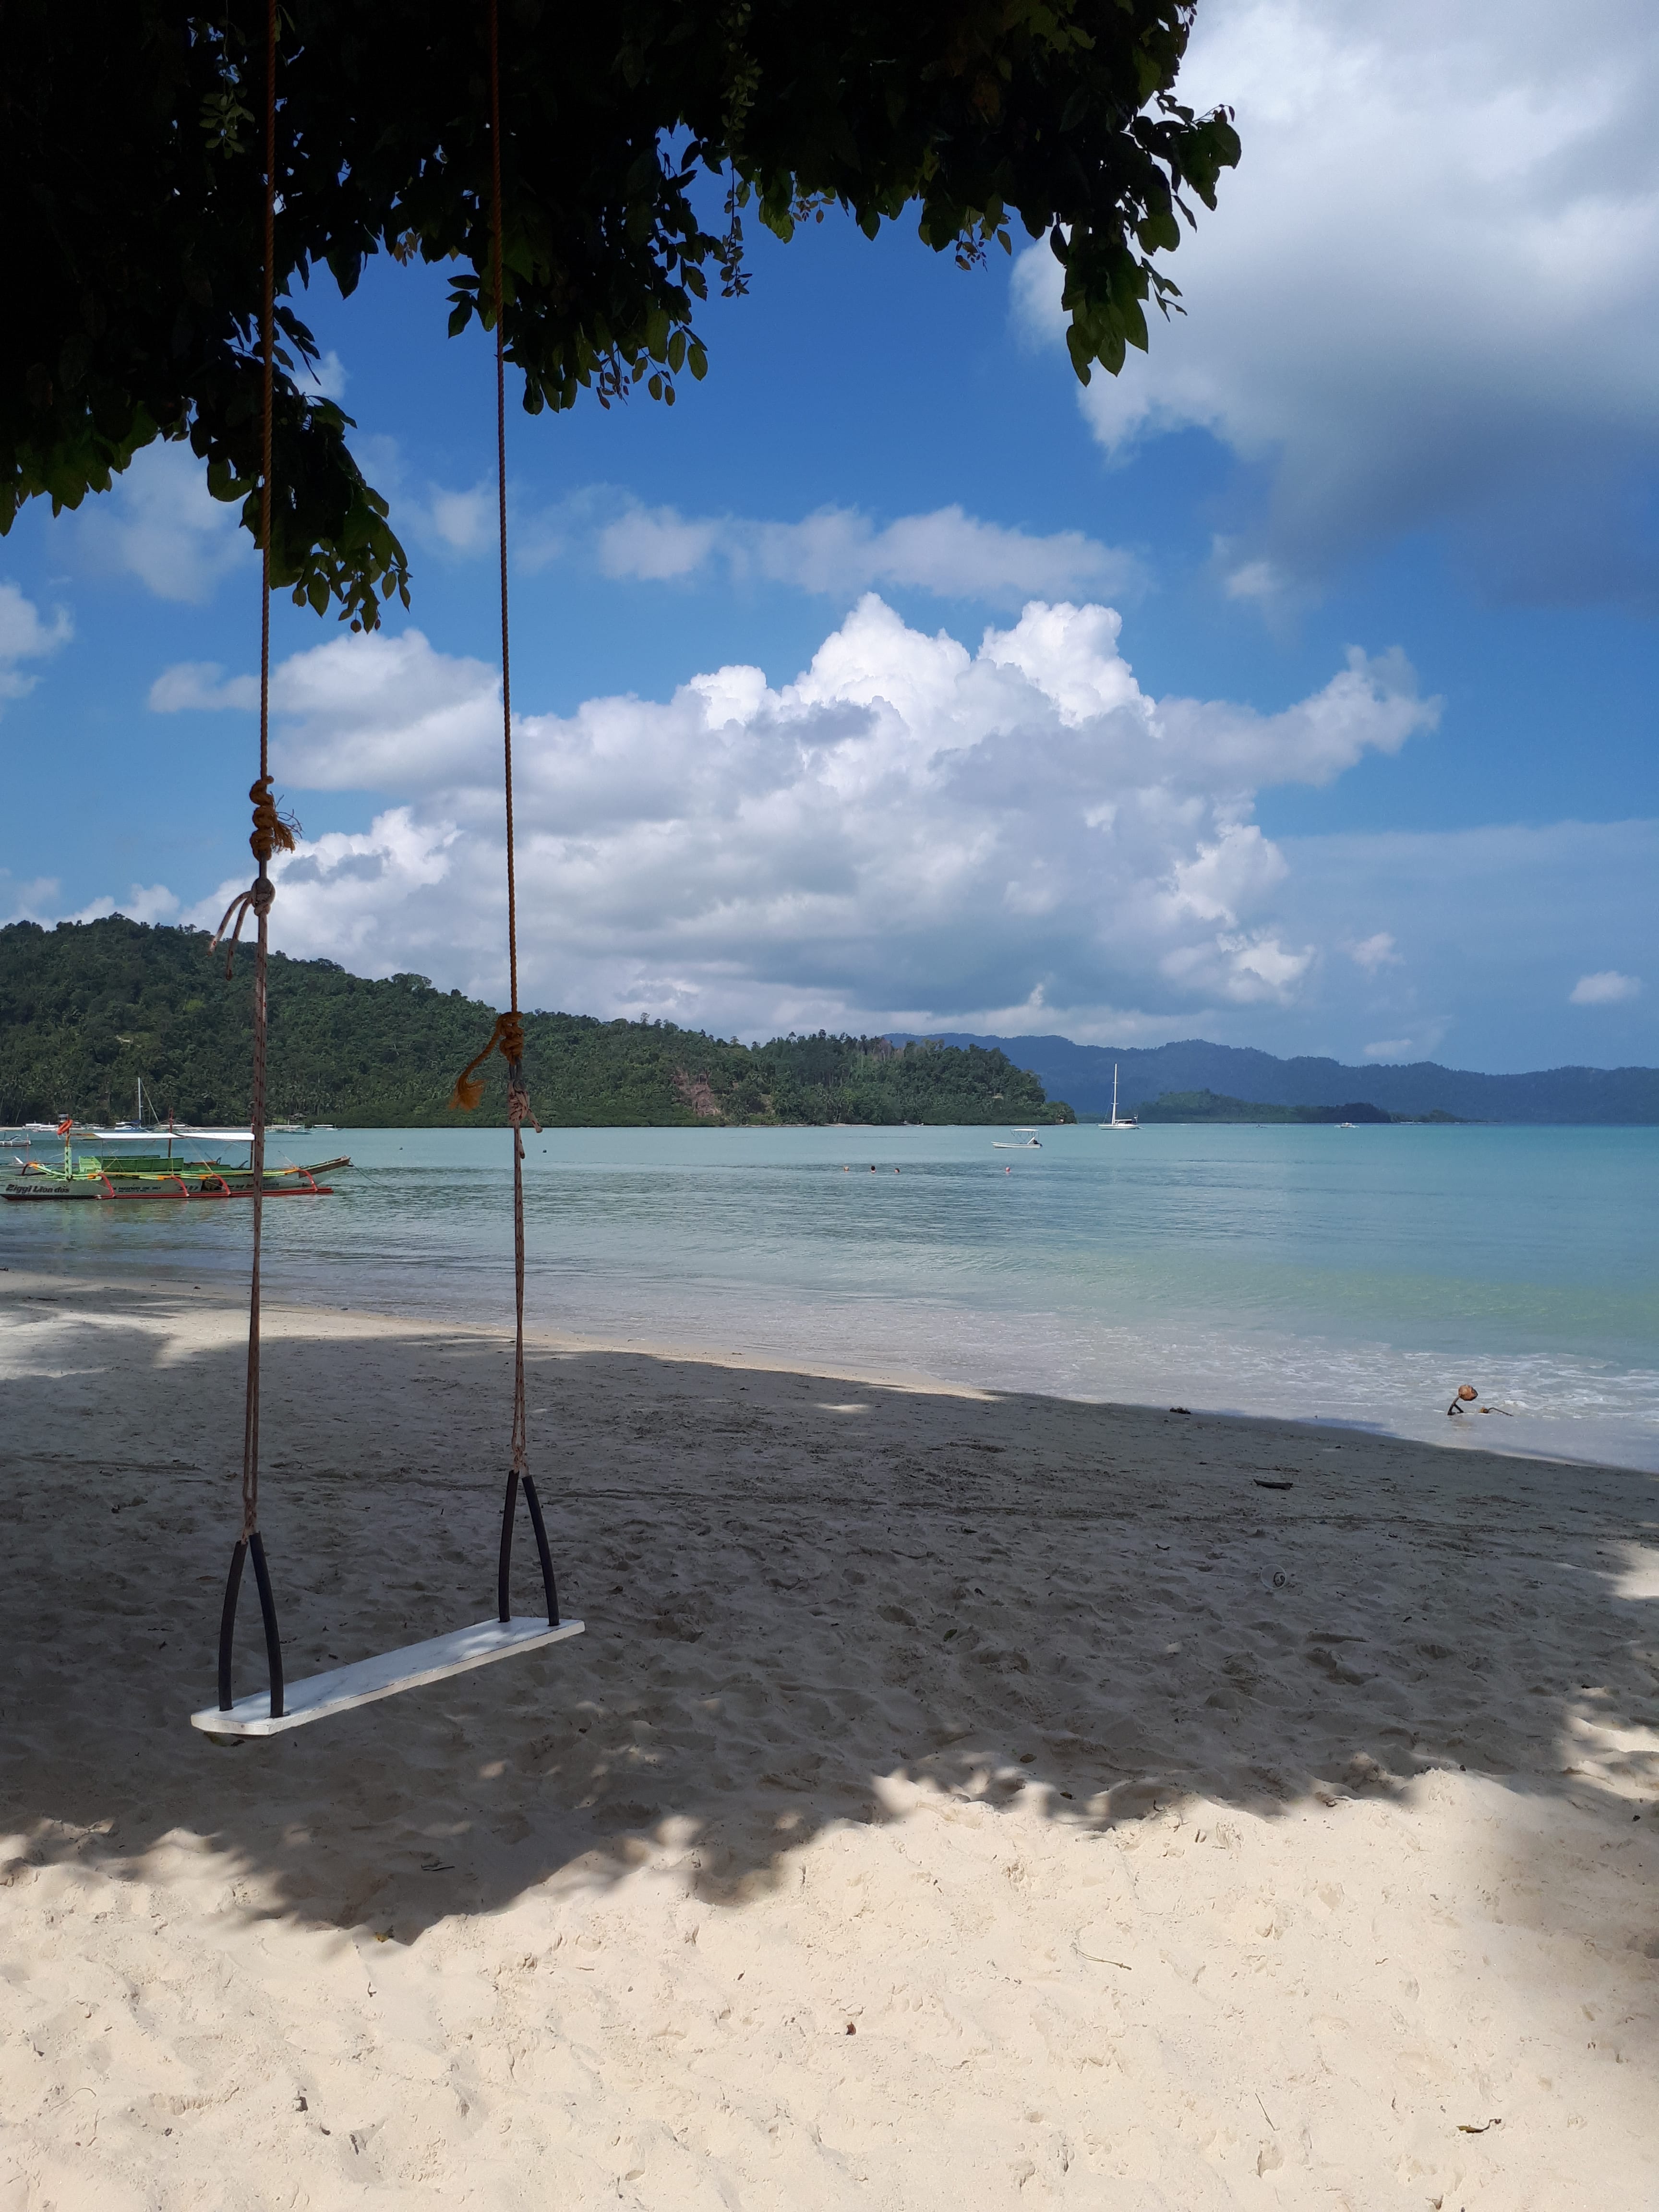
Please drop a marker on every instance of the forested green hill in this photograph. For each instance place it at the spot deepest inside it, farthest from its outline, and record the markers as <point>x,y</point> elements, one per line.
<point>1214,1106</point>
<point>88,1007</point>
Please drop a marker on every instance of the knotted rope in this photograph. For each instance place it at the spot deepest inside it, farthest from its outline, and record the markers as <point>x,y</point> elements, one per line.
<point>271,834</point>
<point>508,1036</point>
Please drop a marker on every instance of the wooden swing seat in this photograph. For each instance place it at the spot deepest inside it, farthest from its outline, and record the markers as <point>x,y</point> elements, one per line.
<point>321,1696</point>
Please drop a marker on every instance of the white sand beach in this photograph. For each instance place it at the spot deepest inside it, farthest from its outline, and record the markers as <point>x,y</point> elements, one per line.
<point>955,1799</point>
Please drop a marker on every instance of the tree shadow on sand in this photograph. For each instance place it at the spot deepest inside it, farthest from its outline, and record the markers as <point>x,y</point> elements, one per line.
<point>793,1587</point>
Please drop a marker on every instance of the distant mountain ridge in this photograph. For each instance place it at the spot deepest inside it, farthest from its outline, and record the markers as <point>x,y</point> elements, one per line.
<point>1081,1074</point>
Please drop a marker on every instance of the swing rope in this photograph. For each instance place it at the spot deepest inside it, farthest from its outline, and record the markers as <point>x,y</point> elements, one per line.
<point>270,835</point>
<point>510,1027</point>
<point>264,840</point>
<point>508,1037</point>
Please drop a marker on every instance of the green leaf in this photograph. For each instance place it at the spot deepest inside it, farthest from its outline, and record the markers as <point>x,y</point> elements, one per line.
<point>1159,229</point>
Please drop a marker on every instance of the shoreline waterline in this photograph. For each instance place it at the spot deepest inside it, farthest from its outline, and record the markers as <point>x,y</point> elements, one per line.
<point>1342,1278</point>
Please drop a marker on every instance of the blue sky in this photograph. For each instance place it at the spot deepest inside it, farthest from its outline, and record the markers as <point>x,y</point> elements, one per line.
<point>817,724</point>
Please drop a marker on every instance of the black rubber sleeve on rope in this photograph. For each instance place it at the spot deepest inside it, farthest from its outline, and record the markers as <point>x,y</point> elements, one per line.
<point>504,1568</point>
<point>504,1563</point>
<point>268,1612</point>
<point>540,1528</point>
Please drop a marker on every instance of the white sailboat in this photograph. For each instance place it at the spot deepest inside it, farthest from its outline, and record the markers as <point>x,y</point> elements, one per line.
<point>1118,1121</point>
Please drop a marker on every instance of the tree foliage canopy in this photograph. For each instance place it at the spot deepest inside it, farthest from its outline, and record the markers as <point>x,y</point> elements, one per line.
<point>634,137</point>
<point>1216,1106</point>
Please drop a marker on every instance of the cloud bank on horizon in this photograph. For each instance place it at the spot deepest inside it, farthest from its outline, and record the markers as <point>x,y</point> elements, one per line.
<point>910,832</point>
<point>1015,838</point>
<point>1431,297</point>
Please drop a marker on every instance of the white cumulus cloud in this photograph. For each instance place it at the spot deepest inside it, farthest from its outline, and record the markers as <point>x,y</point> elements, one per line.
<point>161,524</point>
<point>331,375</point>
<point>374,713</point>
<point>1375,951</point>
<point>1431,293</point>
<point>461,521</point>
<point>912,830</point>
<point>950,553</point>
<point>655,544</point>
<point>144,903</point>
<point>36,900</point>
<point>836,553</point>
<point>1607,988</point>
<point>25,637</point>
<point>200,684</point>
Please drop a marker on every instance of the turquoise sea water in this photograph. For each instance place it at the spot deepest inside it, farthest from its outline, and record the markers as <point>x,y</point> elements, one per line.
<point>1356,1275</point>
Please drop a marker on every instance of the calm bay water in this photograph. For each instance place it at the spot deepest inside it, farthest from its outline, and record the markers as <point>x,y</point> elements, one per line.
<point>1351,1275</point>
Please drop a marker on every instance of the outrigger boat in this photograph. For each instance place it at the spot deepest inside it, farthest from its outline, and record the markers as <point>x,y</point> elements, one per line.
<point>151,1172</point>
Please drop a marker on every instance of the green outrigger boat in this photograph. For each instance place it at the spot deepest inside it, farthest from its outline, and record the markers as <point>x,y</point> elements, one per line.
<point>160,1164</point>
